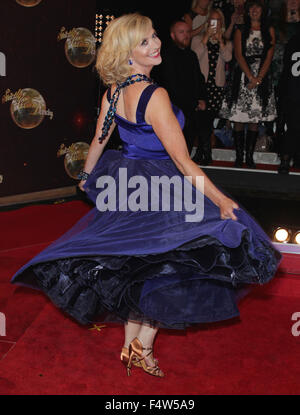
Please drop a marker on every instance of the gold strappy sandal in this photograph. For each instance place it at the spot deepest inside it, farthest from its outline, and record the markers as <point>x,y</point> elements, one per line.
<point>135,356</point>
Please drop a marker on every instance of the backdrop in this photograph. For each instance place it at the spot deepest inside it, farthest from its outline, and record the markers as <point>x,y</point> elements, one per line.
<point>47,91</point>
<point>48,87</point>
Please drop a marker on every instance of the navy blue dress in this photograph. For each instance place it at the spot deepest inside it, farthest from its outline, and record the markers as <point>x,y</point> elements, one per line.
<point>150,265</point>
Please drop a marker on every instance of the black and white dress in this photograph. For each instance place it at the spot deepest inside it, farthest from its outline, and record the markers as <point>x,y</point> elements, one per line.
<point>214,92</point>
<point>248,107</point>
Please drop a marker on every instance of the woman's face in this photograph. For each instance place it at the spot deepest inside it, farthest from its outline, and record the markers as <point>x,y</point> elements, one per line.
<point>255,12</point>
<point>147,53</point>
<point>217,17</point>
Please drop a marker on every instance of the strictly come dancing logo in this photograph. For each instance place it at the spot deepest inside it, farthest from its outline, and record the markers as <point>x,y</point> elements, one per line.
<point>160,193</point>
<point>27,107</point>
<point>80,46</point>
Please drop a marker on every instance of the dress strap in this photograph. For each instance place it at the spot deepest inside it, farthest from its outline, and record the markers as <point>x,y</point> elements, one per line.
<point>108,95</point>
<point>143,102</point>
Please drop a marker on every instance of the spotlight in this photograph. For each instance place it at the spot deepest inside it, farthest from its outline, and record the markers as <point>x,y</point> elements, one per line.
<point>282,235</point>
<point>297,237</point>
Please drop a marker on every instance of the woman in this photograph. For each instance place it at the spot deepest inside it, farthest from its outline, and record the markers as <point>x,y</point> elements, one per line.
<point>236,18</point>
<point>213,51</point>
<point>147,268</point>
<point>197,16</point>
<point>249,98</point>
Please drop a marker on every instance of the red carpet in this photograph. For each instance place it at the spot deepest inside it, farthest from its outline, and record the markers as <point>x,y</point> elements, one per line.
<point>44,352</point>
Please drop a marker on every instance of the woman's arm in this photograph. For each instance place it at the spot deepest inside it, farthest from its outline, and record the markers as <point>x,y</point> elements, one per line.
<point>233,21</point>
<point>239,55</point>
<point>160,115</point>
<point>187,18</point>
<point>266,65</point>
<point>96,148</point>
<point>229,30</point>
<point>199,47</point>
<point>225,49</point>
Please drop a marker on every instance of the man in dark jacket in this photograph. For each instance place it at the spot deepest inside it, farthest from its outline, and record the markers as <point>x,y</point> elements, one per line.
<point>290,98</point>
<point>180,74</point>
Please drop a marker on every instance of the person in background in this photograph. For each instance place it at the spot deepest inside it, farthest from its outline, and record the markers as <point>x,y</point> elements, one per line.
<point>197,16</point>
<point>213,50</point>
<point>249,97</point>
<point>290,97</point>
<point>285,17</point>
<point>235,15</point>
<point>180,74</point>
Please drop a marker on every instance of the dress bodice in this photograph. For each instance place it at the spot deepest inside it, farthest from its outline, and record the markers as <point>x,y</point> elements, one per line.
<point>139,139</point>
<point>254,44</point>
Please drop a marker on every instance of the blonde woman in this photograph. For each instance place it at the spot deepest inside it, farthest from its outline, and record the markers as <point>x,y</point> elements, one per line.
<point>147,267</point>
<point>213,51</point>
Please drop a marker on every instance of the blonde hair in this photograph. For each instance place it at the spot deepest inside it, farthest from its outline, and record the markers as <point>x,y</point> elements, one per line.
<point>120,37</point>
<point>220,13</point>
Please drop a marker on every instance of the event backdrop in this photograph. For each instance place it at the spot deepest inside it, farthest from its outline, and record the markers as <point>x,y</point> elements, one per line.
<point>47,90</point>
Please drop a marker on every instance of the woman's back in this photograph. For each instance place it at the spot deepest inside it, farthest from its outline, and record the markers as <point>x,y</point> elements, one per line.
<point>128,101</point>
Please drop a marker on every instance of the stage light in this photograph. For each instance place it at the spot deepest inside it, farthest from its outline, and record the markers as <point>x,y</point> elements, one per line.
<point>282,235</point>
<point>297,237</point>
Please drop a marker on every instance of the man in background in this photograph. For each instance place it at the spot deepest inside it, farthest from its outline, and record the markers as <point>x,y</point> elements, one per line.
<point>180,74</point>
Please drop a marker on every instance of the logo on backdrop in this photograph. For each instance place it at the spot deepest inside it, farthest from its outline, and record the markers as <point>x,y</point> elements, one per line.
<point>80,46</point>
<point>75,157</point>
<point>296,66</point>
<point>28,3</point>
<point>2,64</point>
<point>27,108</point>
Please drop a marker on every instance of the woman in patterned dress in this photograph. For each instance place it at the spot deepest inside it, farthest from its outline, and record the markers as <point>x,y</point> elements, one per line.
<point>249,98</point>
<point>213,50</point>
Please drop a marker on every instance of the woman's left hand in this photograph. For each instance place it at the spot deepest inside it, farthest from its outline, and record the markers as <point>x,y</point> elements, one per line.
<point>227,207</point>
<point>254,83</point>
<point>218,35</point>
<point>81,184</point>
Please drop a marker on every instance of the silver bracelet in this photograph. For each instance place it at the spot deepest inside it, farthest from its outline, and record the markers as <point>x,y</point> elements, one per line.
<point>83,175</point>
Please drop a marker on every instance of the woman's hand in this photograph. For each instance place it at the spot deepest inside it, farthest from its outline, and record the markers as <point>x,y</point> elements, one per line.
<point>235,17</point>
<point>81,184</point>
<point>226,208</point>
<point>254,82</point>
<point>210,31</point>
<point>219,37</point>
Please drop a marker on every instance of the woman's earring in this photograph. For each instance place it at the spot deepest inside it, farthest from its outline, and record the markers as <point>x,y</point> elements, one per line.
<point>130,62</point>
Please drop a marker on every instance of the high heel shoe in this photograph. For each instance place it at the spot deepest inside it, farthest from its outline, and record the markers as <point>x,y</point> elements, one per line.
<point>125,358</point>
<point>135,355</point>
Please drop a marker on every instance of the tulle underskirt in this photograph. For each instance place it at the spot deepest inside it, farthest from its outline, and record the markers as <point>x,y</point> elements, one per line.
<point>198,282</point>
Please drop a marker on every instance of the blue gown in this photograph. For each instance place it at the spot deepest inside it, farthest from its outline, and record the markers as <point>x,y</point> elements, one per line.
<point>152,266</point>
